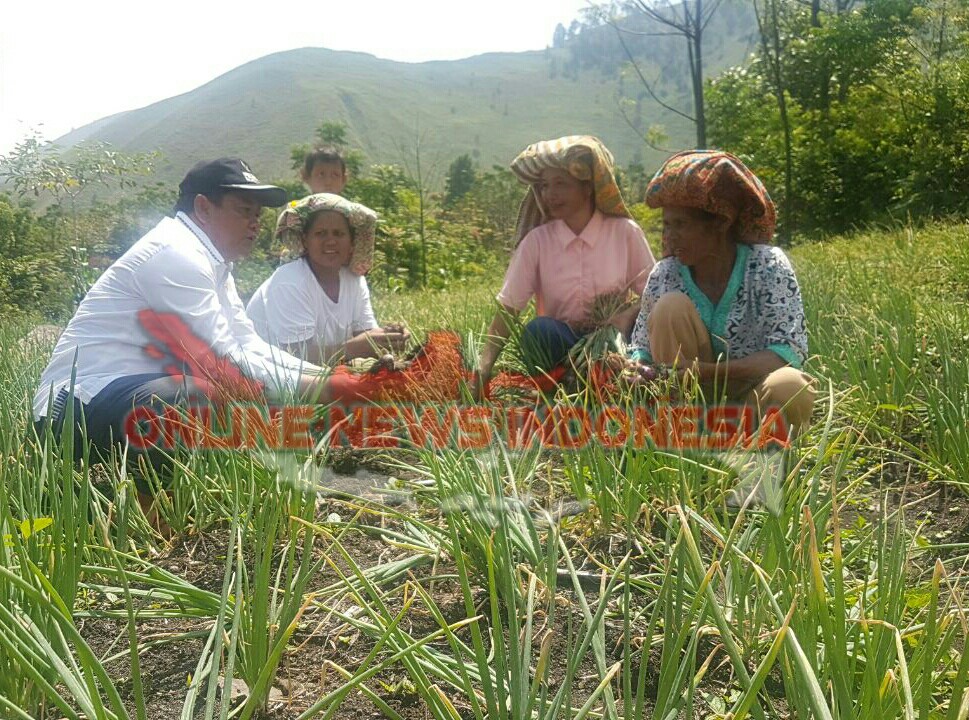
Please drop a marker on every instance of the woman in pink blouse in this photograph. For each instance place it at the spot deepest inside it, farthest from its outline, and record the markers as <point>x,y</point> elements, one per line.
<point>576,245</point>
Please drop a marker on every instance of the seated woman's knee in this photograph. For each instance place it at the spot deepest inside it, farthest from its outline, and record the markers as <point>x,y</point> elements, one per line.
<point>794,392</point>
<point>671,304</point>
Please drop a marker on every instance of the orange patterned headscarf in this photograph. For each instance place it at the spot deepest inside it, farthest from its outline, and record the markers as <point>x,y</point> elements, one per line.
<point>720,183</point>
<point>583,157</point>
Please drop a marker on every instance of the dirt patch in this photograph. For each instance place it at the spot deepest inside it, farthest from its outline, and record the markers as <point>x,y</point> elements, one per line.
<point>323,644</point>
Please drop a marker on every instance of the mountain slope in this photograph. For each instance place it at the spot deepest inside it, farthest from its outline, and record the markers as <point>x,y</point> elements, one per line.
<point>489,105</point>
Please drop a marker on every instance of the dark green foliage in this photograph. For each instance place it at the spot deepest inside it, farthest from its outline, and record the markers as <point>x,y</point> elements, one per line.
<point>76,225</point>
<point>32,276</point>
<point>381,188</point>
<point>878,101</point>
<point>493,201</point>
<point>461,240</point>
<point>459,179</point>
<point>633,180</point>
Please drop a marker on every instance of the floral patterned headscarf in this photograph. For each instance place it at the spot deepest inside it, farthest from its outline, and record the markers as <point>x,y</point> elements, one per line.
<point>583,157</point>
<point>295,220</point>
<point>720,183</point>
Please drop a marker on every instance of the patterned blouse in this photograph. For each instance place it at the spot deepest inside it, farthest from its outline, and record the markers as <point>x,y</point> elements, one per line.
<point>761,309</point>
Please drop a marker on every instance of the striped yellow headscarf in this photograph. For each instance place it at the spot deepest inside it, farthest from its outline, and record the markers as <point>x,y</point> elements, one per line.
<point>582,156</point>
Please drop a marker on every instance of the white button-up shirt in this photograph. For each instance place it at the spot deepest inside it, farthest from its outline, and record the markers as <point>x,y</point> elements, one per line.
<point>175,269</point>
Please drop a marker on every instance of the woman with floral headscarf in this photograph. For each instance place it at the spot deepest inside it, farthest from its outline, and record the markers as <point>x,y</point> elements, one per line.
<point>576,244</point>
<point>723,303</point>
<point>318,306</point>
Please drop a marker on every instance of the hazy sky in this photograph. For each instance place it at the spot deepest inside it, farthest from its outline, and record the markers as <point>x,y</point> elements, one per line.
<point>66,63</point>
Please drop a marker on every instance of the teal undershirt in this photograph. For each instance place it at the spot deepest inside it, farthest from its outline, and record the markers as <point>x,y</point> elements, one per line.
<point>714,317</point>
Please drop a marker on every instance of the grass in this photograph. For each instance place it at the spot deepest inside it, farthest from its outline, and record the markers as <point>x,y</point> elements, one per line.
<point>824,581</point>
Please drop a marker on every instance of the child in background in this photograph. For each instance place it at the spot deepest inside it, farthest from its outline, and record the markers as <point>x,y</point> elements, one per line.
<point>325,171</point>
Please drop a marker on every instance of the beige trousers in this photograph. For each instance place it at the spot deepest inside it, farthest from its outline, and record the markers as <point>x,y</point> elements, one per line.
<point>675,328</point>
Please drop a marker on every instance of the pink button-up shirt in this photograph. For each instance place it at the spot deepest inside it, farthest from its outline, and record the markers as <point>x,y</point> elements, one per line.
<point>565,271</point>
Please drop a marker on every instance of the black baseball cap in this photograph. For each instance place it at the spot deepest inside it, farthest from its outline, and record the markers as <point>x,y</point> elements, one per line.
<point>223,174</point>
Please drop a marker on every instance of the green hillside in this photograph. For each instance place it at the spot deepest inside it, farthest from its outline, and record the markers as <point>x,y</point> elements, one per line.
<point>490,105</point>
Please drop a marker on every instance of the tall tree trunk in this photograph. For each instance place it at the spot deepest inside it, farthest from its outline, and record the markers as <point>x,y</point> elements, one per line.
<point>789,218</point>
<point>770,42</point>
<point>790,221</point>
<point>698,105</point>
<point>690,26</point>
<point>420,195</point>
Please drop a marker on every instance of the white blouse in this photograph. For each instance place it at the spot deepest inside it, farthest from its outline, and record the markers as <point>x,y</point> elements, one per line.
<point>291,307</point>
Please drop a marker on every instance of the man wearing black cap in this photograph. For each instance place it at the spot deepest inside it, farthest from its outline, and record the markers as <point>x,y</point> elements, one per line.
<point>156,322</point>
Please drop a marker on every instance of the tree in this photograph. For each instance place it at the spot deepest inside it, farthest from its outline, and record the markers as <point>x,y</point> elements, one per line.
<point>135,216</point>
<point>689,19</point>
<point>381,188</point>
<point>420,171</point>
<point>633,181</point>
<point>773,48</point>
<point>32,276</point>
<point>459,179</point>
<point>495,196</point>
<point>877,112</point>
<point>333,133</point>
<point>558,38</point>
<point>35,167</point>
